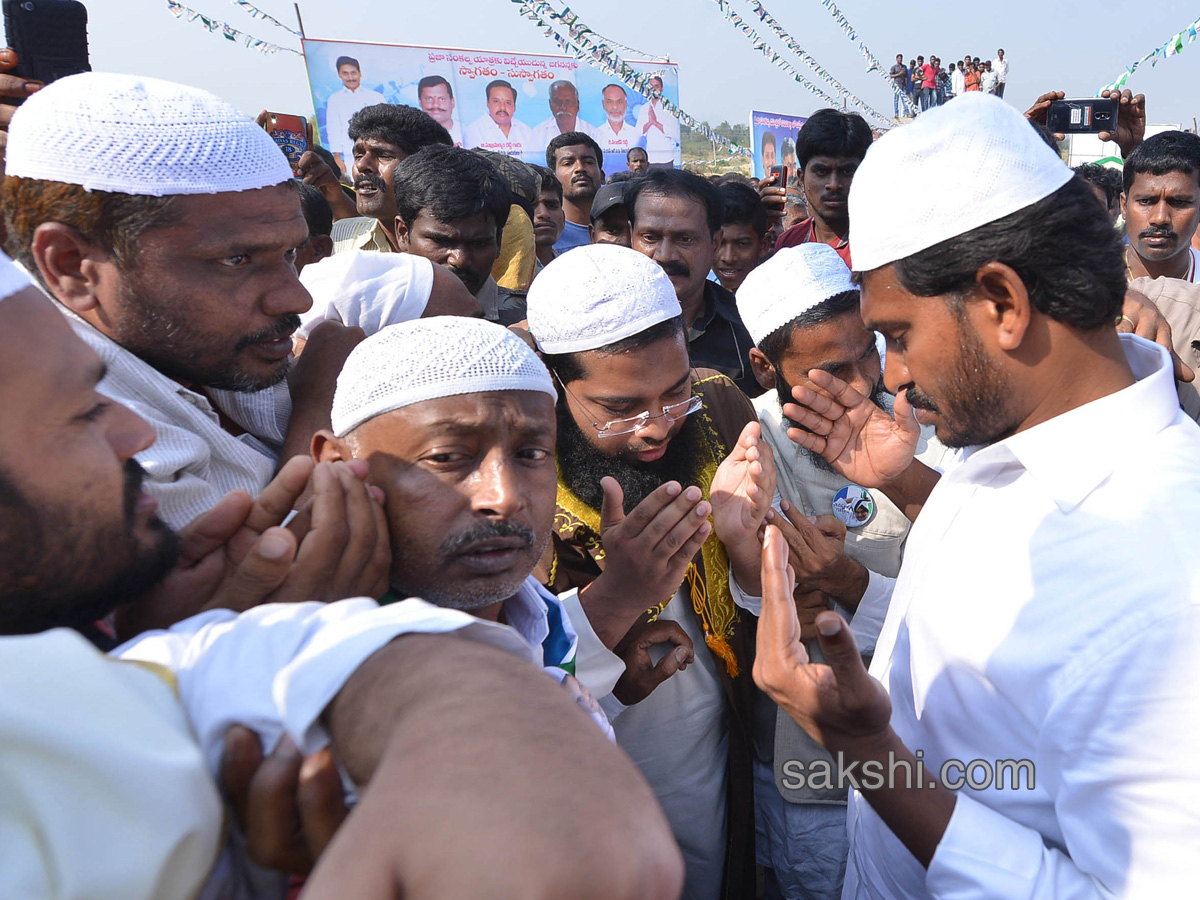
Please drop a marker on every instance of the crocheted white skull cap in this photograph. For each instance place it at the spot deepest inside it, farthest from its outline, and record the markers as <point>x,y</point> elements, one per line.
<point>430,358</point>
<point>131,135</point>
<point>789,284</point>
<point>12,277</point>
<point>597,295</point>
<point>959,166</point>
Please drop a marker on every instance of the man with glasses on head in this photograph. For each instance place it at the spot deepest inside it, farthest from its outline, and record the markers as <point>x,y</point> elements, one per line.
<point>663,482</point>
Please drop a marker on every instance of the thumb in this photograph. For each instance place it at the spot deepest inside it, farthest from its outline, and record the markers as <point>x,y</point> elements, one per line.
<point>612,508</point>
<point>263,570</point>
<point>841,653</point>
<point>905,416</point>
<point>669,665</point>
<point>321,800</point>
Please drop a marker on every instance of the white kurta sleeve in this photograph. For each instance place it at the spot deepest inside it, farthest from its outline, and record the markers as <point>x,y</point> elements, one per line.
<point>596,667</point>
<point>276,667</point>
<point>1113,754</point>
<point>871,611</point>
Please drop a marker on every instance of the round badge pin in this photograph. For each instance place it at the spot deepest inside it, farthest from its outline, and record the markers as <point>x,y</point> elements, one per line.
<point>854,506</point>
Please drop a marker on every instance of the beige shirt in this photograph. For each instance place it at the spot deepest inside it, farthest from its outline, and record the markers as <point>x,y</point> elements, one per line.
<point>359,233</point>
<point>1179,302</point>
<point>193,462</point>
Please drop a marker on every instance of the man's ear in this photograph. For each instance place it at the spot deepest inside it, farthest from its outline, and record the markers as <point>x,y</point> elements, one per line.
<point>71,266</point>
<point>765,246</point>
<point>764,372</point>
<point>401,234</point>
<point>322,245</point>
<point>1121,203</point>
<point>717,236</point>
<point>1008,309</point>
<point>327,447</point>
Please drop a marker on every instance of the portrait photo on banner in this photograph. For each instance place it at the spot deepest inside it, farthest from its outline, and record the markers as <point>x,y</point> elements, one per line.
<point>773,141</point>
<point>512,103</point>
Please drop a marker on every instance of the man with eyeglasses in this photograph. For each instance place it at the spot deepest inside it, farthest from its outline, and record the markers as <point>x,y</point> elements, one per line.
<point>663,483</point>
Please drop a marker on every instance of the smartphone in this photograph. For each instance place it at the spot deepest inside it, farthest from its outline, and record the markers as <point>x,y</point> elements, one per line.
<point>781,171</point>
<point>49,38</point>
<point>1089,116</point>
<point>293,134</point>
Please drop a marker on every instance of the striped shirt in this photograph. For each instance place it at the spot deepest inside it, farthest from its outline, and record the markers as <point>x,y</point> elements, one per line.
<point>194,461</point>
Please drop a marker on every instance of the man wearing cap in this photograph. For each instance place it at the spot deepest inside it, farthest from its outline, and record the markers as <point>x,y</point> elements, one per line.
<point>575,158</point>
<point>383,137</point>
<point>1044,622</point>
<point>452,206</point>
<point>130,744</point>
<point>343,104</point>
<point>648,448</point>
<point>830,146</point>
<point>610,217</point>
<point>675,219</point>
<point>803,312</point>
<point>177,271</point>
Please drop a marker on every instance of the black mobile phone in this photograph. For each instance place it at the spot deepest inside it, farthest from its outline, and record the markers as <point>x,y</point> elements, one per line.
<point>781,171</point>
<point>1089,116</point>
<point>49,38</point>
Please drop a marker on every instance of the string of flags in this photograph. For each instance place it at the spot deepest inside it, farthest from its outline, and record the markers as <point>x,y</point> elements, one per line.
<point>259,14</point>
<point>215,26</point>
<point>873,63</point>
<point>586,46</point>
<point>616,45</point>
<point>1172,47</point>
<point>763,47</point>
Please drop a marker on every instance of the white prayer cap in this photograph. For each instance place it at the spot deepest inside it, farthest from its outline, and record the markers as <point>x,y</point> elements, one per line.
<point>131,135</point>
<point>958,167</point>
<point>789,284</point>
<point>430,358</point>
<point>597,295</point>
<point>12,277</point>
<point>366,289</point>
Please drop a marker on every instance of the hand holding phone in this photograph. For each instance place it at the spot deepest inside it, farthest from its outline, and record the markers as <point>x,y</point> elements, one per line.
<point>293,134</point>
<point>781,172</point>
<point>1090,116</point>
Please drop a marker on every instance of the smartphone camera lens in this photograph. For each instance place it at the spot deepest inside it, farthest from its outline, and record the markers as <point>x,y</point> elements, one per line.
<point>28,7</point>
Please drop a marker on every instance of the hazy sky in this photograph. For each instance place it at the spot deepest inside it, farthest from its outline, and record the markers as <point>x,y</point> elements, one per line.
<point>1067,45</point>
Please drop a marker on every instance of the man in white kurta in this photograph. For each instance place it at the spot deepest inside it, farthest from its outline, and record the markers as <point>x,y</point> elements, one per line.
<point>344,103</point>
<point>1038,656</point>
<point>659,127</point>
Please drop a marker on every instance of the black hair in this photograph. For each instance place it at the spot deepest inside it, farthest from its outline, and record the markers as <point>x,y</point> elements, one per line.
<point>831,132</point>
<point>1108,180</point>
<point>499,82</point>
<point>677,183</point>
<point>1045,134</point>
<point>347,61</point>
<point>433,81</point>
<point>317,211</point>
<point>623,175</point>
<point>1168,151</point>
<point>326,157</point>
<point>569,367</point>
<point>1063,248</point>
<point>776,344</point>
<point>743,206</point>
<point>631,150</point>
<point>550,181</point>
<point>768,138</point>
<point>572,139</point>
<point>450,183</point>
<point>406,127</point>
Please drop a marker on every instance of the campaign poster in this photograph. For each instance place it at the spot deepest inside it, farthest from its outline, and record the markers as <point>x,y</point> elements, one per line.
<point>512,103</point>
<point>773,141</point>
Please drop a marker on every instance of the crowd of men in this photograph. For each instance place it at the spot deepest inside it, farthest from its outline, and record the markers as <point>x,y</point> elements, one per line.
<point>479,529</point>
<point>928,84</point>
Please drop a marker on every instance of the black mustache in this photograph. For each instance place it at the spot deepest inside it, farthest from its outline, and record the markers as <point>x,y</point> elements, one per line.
<point>677,268</point>
<point>1159,232</point>
<point>134,476</point>
<point>370,178</point>
<point>917,400</point>
<point>284,326</point>
<point>486,532</point>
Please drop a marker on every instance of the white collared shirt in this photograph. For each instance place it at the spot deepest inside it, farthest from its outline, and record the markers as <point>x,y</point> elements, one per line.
<point>193,462</point>
<point>1000,67</point>
<point>485,133</point>
<point>660,145</point>
<point>341,106</point>
<point>617,141</point>
<point>547,131</point>
<point>1048,609</point>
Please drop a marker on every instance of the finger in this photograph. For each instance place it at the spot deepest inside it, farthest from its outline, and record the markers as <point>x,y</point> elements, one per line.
<point>671,663</point>
<point>264,569</point>
<point>240,759</point>
<point>777,624</point>
<point>279,497</point>
<point>804,536</point>
<point>806,439</point>
<point>667,531</point>
<point>905,418</point>
<point>273,818</point>
<point>380,566</point>
<point>212,529</point>
<point>841,391</point>
<point>831,527</point>
<point>662,631</point>
<point>612,504</point>
<point>12,86</point>
<point>362,537</point>
<point>1183,372</point>
<point>321,800</point>
<point>329,538</point>
<point>818,423</point>
<point>679,562</point>
<point>841,653</point>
